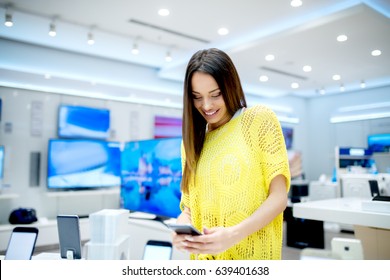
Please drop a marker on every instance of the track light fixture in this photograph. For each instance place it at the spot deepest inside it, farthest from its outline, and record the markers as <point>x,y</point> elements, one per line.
<point>91,39</point>
<point>8,17</point>
<point>168,57</point>
<point>52,29</point>
<point>135,49</point>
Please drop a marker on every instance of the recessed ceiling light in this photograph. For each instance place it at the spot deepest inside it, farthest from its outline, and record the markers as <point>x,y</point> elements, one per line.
<point>163,12</point>
<point>376,53</point>
<point>336,77</point>
<point>296,3</point>
<point>263,78</point>
<point>307,68</point>
<point>342,38</point>
<point>223,31</point>
<point>269,57</point>
<point>294,85</point>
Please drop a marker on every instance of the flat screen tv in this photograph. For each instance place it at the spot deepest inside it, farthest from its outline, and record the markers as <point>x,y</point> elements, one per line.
<point>288,136</point>
<point>167,127</point>
<point>80,164</point>
<point>151,176</point>
<point>1,162</point>
<point>83,122</point>
<point>379,143</point>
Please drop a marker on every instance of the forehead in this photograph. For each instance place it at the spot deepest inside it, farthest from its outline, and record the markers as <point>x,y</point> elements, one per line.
<point>203,82</point>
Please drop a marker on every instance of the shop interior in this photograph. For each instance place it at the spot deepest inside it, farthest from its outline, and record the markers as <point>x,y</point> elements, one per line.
<point>91,120</point>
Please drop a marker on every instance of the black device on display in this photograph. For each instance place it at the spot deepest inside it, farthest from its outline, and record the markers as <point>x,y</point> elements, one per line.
<point>157,250</point>
<point>69,236</point>
<point>21,244</point>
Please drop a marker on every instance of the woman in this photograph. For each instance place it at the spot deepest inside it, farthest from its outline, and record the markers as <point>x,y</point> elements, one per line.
<point>235,166</point>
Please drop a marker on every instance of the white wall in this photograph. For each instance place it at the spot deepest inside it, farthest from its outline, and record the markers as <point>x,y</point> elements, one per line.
<point>324,136</point>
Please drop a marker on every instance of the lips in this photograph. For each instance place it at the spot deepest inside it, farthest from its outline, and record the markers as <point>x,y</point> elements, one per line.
<point>210,113</point>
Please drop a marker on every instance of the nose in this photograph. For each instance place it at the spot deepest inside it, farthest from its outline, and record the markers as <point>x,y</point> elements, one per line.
<point>207,104</point>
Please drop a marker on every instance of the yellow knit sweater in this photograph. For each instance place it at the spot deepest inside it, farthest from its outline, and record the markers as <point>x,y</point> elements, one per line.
<point>234,171</point>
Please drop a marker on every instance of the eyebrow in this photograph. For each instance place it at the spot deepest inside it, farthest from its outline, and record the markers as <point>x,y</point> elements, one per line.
<point>208,92</point>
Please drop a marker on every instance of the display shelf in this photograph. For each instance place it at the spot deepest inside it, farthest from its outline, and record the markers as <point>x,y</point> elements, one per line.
<point>8,196</point>
<point>111,191</point>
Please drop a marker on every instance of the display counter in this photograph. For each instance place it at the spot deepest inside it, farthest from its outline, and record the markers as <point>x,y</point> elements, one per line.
<point>371,227</point>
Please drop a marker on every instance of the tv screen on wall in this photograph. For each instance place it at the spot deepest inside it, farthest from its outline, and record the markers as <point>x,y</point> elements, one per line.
<point>167,127</point>
<point>1,162</point>
<point>83,122</point>
<point>379,143</point>
<point>80,164</point>
<point>288,136</point>
<point>151,176</point>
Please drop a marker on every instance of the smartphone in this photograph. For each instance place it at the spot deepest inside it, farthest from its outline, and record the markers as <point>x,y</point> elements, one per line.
<point>184,229</point>
<point>69,236</point>
<point>157,250</point>
<point>21,244</point>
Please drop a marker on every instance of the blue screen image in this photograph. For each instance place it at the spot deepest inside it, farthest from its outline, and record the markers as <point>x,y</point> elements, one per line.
<point>379,143</point>
<point>83,164</point>
<point>151,176</point>
<point>83,122</point>
<point>1,162</point>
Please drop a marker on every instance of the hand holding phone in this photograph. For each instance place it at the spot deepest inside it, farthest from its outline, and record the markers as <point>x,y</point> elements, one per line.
<point>184,229</point>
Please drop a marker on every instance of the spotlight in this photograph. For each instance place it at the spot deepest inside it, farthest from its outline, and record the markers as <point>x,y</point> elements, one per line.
<point>52,30</point>
<point>168,57</point>
<point>8,19</point>
<point>135,49</point>
<point>91,39</point>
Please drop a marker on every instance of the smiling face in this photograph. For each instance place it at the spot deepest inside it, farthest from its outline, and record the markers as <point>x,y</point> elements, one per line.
<point>208,100</point>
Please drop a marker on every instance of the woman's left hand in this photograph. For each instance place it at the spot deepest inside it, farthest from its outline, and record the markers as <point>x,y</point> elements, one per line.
<point>213,241</point>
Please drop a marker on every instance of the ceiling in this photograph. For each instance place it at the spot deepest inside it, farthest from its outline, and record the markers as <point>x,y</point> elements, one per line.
<point>299,36</point>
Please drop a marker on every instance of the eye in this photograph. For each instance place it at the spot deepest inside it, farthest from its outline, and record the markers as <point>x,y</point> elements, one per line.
<point>217,94</point>
<point>196,97</point>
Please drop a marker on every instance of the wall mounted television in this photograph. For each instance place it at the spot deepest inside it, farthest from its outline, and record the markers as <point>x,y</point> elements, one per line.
<point>1,162</point>
<point>288,136</point>
<point>82,164</point>
<point>151,176</point>
<point>379,143</point>
<point>167,127</point>
<point>83,122</point>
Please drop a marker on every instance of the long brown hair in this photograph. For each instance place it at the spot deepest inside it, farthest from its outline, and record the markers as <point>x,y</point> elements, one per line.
<point>219,65</point>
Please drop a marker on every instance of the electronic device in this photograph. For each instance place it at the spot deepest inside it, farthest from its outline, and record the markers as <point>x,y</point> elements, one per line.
<point>151,176</point>
<point>374,187</point>
<point>288,136</point>
<point>21,244</point>
<point>1,162</point>
<point>379,143</point>
<point>86,163</point>
<point>69,236</point>
<point>184,229</point>
<point>157,250</point>
<point>83,122</point>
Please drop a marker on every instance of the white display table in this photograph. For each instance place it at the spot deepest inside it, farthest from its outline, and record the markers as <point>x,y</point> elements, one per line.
<point>372,228</point>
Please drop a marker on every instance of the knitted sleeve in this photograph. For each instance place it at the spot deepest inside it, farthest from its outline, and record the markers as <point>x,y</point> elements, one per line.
<point>273,153</point>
